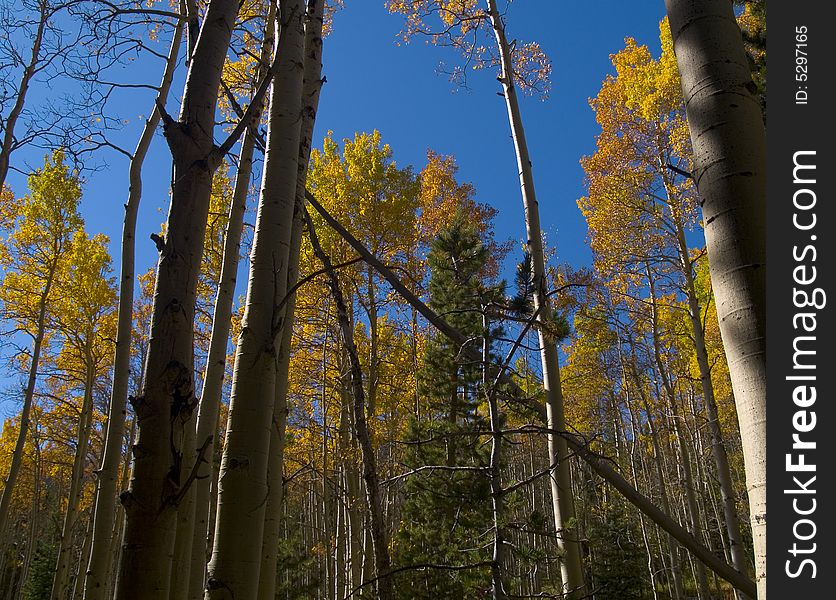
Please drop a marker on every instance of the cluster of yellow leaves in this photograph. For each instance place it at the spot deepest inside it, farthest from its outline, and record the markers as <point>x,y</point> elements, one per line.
<point>43,228</point>
<point>585,380</point>
<point>632,196</point>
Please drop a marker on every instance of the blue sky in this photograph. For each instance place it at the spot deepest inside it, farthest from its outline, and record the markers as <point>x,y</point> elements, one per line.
<point>374,83</point>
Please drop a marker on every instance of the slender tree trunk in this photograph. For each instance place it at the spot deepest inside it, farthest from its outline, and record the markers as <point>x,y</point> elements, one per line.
<point>166,404</point>
<point>210,400</point>
<point>61,579</point>
<point>99,568</point>
<point>494,474</point>
<point>311,88</point>
<point>28,397</point>
<point>242,487</point>
<point>728,137</point>
<point>561,477</point>
<point>691,509</point>
<point>377,526</point>
<point>83,559</point>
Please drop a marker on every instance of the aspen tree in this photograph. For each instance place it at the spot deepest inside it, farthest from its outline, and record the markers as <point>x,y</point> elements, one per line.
<point>210,400</point>
<point>242,484</point>
<point>83,316</point>
<point>164,407</point>
<point>311,88</point>
<point>101,557</point>
<point>561,479</point>
<point>728,138</point>
<point>33,255</point>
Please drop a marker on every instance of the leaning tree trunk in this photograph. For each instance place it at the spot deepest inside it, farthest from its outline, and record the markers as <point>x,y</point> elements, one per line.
<point>242,484</point>
<point>167,401</point>
<point>728,138</point>
<point>377,523</point>
<point>98,570</point>
<point>561,476</point>
<point>311,88</point>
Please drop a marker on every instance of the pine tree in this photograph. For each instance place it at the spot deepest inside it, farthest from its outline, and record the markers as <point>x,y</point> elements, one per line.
<point>446,513</point>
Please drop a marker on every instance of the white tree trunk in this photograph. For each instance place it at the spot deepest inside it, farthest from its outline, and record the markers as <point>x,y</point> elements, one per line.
<point>210,400</point>
<point>560,477</point>
<point>242,485</point>
<point>310,103</point>
<point>728,137</point>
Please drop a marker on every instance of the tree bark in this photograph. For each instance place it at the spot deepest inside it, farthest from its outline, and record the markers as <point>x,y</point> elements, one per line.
<point>165,407</point>
<point>311,88</point>
<point>728,138</point>
<point>242,485</point>
<point>98,570</point>
<point>210,400</point>
<point>561,476</point>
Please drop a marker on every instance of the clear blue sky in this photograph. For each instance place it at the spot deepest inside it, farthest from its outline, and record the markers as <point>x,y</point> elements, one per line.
<point>373,83</point>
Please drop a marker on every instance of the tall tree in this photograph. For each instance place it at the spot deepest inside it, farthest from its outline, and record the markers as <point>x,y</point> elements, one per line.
<point>96,582</point>
<point>522,66</point>
<point>312,83</point>
<point>445,516</point>
<point>84,319</point>
<point>32,256</point>
<point>242,485</point>
<point>165,406</point>
<point>728,138</point>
